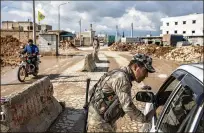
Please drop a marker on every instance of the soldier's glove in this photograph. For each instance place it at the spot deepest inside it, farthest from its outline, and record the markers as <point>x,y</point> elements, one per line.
<point>146,87</point>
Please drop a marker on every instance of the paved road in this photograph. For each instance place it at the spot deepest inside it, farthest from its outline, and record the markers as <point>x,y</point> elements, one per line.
<point>69,85</point>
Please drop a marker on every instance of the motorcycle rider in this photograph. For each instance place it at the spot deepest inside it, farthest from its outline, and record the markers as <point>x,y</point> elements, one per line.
<point>110,98</point>
<point>32,50</point>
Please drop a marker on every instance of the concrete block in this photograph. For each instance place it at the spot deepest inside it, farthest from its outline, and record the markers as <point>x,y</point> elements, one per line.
<point>33,109</point>
<point>89,63</point>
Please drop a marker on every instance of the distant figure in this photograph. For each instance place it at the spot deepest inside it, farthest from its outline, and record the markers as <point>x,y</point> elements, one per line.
<point>96,48</point>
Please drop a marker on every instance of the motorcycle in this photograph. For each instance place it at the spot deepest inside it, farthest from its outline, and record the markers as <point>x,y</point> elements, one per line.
<point>27,67</point>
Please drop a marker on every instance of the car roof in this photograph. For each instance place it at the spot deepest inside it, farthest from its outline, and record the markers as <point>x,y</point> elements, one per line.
<point>195,69</point>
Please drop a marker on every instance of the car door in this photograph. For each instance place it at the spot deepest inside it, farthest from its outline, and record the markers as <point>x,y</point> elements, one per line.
<point>180,106</point>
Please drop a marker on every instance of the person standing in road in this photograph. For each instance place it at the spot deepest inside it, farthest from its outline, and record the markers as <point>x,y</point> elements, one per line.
<point>96,48</point>
<point>110,98</point>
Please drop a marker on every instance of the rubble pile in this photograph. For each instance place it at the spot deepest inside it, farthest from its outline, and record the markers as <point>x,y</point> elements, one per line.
<point>120,47</point>
<point>67,45</point>
<point>9,47</point>
<point>190,54</point>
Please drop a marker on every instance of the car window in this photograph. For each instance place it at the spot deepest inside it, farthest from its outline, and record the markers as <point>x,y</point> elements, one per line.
<point>178,109</point>
<point>172,85</point>
<point>164,95</point>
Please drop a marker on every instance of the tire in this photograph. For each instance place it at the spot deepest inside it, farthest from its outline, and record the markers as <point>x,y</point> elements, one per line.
<point>35,74</point>
<point>21,70</point>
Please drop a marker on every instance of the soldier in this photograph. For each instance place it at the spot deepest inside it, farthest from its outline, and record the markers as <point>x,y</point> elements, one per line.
<point>96,47</point>
<point>110,98</point>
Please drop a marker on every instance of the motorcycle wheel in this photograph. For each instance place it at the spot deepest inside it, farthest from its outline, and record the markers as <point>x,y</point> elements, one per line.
<point>35,74</point>
<point>21,74</point>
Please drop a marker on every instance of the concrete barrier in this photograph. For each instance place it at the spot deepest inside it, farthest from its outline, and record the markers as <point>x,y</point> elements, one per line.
<point>32,110</point>
<point>89,63</point>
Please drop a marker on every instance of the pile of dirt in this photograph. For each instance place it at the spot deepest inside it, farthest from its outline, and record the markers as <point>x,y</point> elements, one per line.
<point>190,54</point>
<point>120,47</point>
<point>64,45</point>
<point>9,48</point>
<point>151,49</point>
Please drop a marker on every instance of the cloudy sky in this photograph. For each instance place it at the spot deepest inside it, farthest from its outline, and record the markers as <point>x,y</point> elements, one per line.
<point>104,15</point>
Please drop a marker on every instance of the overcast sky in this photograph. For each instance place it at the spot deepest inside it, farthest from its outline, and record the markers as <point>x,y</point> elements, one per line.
<point>104,15</point>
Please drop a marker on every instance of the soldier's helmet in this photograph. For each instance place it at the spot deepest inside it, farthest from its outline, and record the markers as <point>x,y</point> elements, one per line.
<point>145,60</point>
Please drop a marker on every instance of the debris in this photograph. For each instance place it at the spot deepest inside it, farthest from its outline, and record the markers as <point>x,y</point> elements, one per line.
<point>9,47</point>
<point>120,47</point>
<point>67,45</point>
<point>190,54</point>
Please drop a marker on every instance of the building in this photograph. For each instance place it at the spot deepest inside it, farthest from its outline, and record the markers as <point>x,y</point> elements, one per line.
<point>48,44</point>
<point>189,25</point>
<point>151,39</point>
<point>22,25</point>
<point>45,27</point>
<point>130,40</point>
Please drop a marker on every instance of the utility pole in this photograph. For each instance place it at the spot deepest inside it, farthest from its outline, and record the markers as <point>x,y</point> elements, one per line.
<point>34,29</point>
<point>132,30</point>
<point>28,27</point>
<point>116,36</point>
<point>59,14</point>
<point>80,31</point>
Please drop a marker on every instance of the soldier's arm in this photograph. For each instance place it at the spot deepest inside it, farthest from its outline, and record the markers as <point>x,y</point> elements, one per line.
<point>122,88</point>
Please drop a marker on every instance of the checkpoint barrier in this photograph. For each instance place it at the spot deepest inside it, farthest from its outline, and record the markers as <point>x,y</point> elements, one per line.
<point>89,63</point>
<point>32,110</point>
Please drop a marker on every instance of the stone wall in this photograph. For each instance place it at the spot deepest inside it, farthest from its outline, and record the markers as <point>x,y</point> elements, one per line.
<point>23,36</point>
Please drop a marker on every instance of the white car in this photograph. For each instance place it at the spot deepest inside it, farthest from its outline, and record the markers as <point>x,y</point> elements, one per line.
<point>178,103</point>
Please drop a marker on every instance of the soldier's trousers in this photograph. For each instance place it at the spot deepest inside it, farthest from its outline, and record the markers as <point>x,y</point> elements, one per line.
<point>97,124</point>
<point>95,55</point>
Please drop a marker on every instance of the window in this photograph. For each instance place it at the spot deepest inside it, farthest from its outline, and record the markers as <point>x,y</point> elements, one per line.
<point>167,24</point>
<point>184,22</point>
<point>184,32</point>
<point>171,84</point>
<point>167,32</point>
<point>175,31</point>
<point>31,27</point>
<point>176,23</point>
<point>194,21</point>
<point>193,31</point>
<point>179,111</point>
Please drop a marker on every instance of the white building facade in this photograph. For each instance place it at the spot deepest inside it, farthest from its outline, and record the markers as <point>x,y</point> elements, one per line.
<point>189,25</point>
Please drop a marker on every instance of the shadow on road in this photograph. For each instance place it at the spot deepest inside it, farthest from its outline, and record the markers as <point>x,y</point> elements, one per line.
<point>33,79</point>
<point>70,120</point>
<point>71,81</point>
<point>70,55</point>
<point>54,76</point>
<point>104,61</point>
<point>19,83</point>
<point>101,69</point>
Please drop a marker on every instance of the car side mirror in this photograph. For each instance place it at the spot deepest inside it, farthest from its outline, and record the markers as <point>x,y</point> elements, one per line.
<point>145,96</point>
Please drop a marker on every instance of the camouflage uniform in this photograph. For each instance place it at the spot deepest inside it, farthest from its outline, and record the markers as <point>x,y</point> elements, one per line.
<point>96,49</point>
<point>119,83</point>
